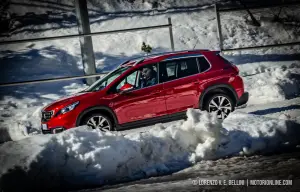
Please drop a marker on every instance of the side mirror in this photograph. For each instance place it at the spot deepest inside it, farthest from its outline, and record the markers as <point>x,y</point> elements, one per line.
<point>126,88</point>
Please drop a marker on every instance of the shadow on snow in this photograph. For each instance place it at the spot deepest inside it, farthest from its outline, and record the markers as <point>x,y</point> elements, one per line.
<point>275,110</point>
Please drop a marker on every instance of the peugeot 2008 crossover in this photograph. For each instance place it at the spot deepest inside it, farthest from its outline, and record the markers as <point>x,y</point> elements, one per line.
<point>152,89</point>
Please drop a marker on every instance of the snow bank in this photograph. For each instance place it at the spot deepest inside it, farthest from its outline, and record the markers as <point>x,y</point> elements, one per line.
<point>80,157</point>
<point>269,82</point>
<point>20,116</point>
<point>248,134</point>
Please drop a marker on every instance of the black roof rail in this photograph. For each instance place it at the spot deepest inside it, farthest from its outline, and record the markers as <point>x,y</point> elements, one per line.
<point>124,62</point>
<point>142,58</point>
<point>139,61</point>
<point>169,52</point>
<point>189,50</point>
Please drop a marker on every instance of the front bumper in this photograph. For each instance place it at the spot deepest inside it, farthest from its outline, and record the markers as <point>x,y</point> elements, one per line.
<point>57,124</point>
<point>242,101</point>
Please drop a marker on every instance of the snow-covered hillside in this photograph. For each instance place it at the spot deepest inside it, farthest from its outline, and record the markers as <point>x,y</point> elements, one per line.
<point>193,28</point>
<point>265,79</point>
<point>271,76</point>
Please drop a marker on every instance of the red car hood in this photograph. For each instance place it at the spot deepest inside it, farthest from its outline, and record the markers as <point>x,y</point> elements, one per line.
<point>65,101</point>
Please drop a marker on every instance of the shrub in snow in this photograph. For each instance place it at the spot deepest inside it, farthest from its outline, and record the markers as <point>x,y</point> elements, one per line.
<point>146,48</point>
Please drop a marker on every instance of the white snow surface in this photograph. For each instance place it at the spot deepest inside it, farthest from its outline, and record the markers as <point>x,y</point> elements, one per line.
<point>80,156</point>
<point>269,82</point>
<point>107,157</point>
<point>266,82</point>
<point>20,116</point>
<point>193,28</point>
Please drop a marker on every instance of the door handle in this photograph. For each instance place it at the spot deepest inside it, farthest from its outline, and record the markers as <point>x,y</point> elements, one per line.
<point>156,92</point>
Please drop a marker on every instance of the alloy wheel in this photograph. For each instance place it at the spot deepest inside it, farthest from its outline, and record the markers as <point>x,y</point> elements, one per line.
<point>221,105</point>
<point>99,122</point>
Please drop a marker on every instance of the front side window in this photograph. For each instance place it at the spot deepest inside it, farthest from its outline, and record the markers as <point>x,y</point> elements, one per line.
<point>106,80</point>
<point>171,70</point>
<point>148,76</point>
<point>131,79</point>
<point>143,77</point>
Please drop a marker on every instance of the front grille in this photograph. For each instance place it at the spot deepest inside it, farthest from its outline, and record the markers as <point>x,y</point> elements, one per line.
<point>46,115</point>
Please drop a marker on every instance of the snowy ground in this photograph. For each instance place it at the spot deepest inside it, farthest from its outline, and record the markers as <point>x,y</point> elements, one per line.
<point>101,158</point>
<point>83,158</point>
<point>276,166</point>
<point>267,82</point>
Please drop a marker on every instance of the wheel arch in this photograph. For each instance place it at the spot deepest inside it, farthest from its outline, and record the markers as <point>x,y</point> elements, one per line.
<point>220,88</point>
<point>104,109</point>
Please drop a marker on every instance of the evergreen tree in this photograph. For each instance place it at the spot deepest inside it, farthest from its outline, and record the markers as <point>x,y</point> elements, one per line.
<point>146,48</point>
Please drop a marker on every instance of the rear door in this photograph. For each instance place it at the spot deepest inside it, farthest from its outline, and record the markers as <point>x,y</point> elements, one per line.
<point>180,78</point>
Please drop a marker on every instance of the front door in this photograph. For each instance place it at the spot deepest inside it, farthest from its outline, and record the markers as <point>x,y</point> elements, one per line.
<point>144,101</point>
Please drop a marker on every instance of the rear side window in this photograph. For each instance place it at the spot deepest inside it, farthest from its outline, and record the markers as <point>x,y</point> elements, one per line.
<point>179,68</point>
<point>187,67</point>
<point>203,64</point>
<point>171,69</point>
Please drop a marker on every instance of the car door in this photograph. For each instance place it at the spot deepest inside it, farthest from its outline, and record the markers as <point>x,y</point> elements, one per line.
<point>180,79</point>
<point>139,103</point>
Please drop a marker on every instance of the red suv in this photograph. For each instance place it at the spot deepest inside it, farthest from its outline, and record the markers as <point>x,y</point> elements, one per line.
<point>152,89</point>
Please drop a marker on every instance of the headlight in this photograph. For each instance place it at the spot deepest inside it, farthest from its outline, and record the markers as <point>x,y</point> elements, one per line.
<point>68,108</point>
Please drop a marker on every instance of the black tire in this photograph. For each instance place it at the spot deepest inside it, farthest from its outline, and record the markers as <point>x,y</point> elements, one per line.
<point>95,115</point>
<point>229,100</point>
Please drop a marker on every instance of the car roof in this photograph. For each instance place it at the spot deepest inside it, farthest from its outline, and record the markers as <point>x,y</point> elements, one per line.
<point>157,57</point>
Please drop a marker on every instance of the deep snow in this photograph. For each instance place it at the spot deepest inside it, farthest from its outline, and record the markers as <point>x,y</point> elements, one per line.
<point>81,157</point>
<point>269,82</point>
<point>266,82</point>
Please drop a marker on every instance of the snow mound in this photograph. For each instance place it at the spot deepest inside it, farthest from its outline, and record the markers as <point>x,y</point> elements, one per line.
<point>20,117</point>
<point>271,84</point>
<point>248,134</point>
<point>80,157</point>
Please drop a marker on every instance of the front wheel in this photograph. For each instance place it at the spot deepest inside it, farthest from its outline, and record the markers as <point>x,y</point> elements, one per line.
<point>221,104</point>
<point>99,121</point>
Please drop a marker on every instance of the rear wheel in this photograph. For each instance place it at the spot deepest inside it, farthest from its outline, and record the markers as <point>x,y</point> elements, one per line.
<point>99,121</point>
<point>221,104</point>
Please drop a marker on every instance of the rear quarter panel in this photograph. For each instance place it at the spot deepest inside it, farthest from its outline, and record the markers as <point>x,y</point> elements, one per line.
<point>220,74</point>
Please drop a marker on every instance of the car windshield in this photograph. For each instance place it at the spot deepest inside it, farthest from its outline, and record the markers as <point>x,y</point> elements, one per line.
<point>106,80</point>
